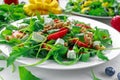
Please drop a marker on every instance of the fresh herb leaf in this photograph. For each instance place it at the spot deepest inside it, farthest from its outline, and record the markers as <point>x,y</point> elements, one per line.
<point>27,74</point>
<point>102,56</point>
<point>1,78</point>
<point>17,52</point>
<point>2,57</point>
<point>85,57</point>
<point>1,68</point>
<point>93,75</point>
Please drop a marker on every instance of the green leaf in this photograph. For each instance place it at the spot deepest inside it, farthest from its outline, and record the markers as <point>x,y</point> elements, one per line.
<point>76,49</point>
<point>38,25</point>
<point>53,16</point>
<point>11,27</point>
<point>102,35</point>
<point>85,57</point>
<point>17,52</point>
<point>26,75</point>
<point>1,78</point>
<point>2,57</point>
<point>102,56</point>
<point>93,75</point>
<point>6,32</point>
<point>40,18</point>
<point>75,29</point>
<point>1,68</point>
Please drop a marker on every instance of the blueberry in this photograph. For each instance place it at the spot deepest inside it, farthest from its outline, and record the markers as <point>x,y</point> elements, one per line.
<point>118,75</point>
<point>109,71</point>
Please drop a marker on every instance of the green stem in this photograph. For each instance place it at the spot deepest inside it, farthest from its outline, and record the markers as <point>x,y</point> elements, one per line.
<point>66,63</point>
<point>1,78</point>
<point>112,48</point>
<point>41,61</point>
<point>40,48</point>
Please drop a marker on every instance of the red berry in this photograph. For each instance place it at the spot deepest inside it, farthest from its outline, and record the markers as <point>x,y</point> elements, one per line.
<point>115,22</point>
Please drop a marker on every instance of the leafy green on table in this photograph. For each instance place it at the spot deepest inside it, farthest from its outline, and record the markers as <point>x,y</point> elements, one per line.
<point>1,68</point>
<point>2,57</point>
<point>26,75</point>
<point>94,76</point>
<point>1,78</point>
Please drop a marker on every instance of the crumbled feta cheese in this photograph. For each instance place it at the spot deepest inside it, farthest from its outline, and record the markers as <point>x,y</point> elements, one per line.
<point>71,54</point>
<point>53,30</point>
<point>48,21</point>
<point>96,43</point>
<point>81,34</point>
<point>59,41</point>
<point>22,25</point>
<point>38,37</point>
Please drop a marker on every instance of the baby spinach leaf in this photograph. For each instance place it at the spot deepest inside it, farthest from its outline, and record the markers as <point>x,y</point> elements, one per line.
<point>26,75</point>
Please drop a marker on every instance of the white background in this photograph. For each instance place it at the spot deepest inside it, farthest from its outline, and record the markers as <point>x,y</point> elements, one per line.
<point>81,74</point>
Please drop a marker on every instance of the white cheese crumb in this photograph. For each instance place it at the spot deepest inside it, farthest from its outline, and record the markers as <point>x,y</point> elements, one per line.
<point>96,43</point>
<point>59,41</point>
<point>48,21</point>
<point>38,37</point>
<point>71,54</point>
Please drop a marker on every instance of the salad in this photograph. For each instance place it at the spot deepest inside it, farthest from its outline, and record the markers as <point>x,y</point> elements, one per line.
<point>103,8</point>
<point>55,37</point>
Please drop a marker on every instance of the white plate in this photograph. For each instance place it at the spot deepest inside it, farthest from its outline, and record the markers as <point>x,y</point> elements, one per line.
<point>90,16</point>
<point>92,62</point>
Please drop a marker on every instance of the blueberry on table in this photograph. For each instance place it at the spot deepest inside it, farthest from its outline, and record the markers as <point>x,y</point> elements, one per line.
<point>118,75</point>
<point>109,71</point>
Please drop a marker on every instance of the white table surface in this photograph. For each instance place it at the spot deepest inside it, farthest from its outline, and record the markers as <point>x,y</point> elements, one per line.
<point>79,74</point>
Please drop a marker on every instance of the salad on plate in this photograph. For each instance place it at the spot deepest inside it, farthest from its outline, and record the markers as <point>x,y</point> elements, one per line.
<point>94,8</point>
<point>56,38</point>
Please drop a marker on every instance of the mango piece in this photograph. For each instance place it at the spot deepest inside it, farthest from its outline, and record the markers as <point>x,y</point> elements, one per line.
<point>32,1</point>
<point>56,10</point>
<point>47,1</point>
<point>54,3</point>
<point>38,1</point>
<point>32,6</point>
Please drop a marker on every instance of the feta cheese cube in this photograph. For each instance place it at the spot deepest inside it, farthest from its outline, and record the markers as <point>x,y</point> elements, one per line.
<point>71,54</point>
<point>48,21</point>
<point>96,43</point>
<point>38,37</point>
<point>59,41</point>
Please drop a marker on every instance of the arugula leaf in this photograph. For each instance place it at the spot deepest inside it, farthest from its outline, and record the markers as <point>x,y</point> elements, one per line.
<point>26,75</point>
<point>76,49</point>
<point>2,57</point>
<point>1,78</point>
<point>85,57</point>
<point>75,29</point>
<point>102,56</point>
<point>11,27</point>
<point>38,25</point>
<point>17,52</point>
<point>93,75</point>
<point>53,16</point>
<point>40,18</point>
<point>6,32</point>
<point>102,35</point>
<point>1,68</point>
